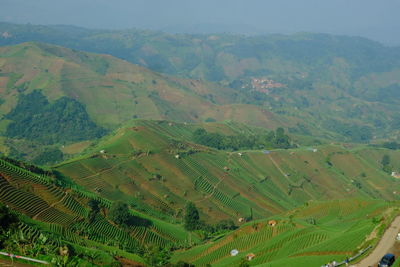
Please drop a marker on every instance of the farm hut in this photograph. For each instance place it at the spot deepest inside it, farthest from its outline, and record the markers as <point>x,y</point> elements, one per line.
<point>272,223</point>
<point>266,152</point>
<point>395,174</point>
<point>234,252</point>
<point>177,156</point>
<point>102,151</point>
<point>226,168</point>
<point>170,124</point>
<point>240,154</point>
<point>315,150</point>
<point>241,220</point>
<point>250,256</point>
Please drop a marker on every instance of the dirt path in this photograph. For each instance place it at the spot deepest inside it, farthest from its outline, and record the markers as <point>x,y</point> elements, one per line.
<point>106,170</point>
<point>5,263</point>
<point>51,206</point>
<point>214,188</point>
<point>384,246</point>
<point>277,166</point>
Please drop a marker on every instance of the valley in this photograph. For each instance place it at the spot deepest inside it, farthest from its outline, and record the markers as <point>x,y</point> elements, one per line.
<point>142,148</point>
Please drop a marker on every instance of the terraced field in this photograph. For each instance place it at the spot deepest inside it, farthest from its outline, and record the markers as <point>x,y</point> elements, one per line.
<point>308,236</point>
<point>63,213</point>
<point>155,163</point>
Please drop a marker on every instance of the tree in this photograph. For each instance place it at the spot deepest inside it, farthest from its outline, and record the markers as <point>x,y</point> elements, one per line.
<point>225,225</point>
<point>281,139</point>
<point>192,217</point>
<point>119,213</point>
<point>244,263</point>
<point>8,223</point>
<point>94,206</point>
<point>7,219</point>
<point>386,164</point>
<point>156,256</point>
<point>385,160</point>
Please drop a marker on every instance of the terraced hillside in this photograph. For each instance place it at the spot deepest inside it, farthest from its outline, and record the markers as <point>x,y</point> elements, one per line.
<point>155,165</point>
<point>62,216</point>
<point>339,87</point>
<point>53,96</point>
<point>112,90</point>
<point>312,235</point>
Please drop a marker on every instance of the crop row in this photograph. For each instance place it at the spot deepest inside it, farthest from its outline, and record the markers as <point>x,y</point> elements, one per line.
<point>52,215</point>
<point>104,232</point>
<point>186,170</point>
<point>17,172</point>
<point>23,201</point>
<point>200,169</point>
<point>74,206</point>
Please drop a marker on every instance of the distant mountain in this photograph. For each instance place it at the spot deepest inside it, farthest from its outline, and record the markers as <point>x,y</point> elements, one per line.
<point>336,87</point>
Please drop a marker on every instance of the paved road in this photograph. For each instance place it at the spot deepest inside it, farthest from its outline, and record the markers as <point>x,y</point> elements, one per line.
<point>384,246</point>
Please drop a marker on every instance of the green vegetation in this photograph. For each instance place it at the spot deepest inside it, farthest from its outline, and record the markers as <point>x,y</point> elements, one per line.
<point>339,230</point>
<point>53,218</point>
<point>202,164</point>
<point>119,213</point>
<point>65,120</point>
<point>209,192</point>
<point>386,167</point>
<point>276,139</point>
<point>192,217</point>
<point>298,81</point>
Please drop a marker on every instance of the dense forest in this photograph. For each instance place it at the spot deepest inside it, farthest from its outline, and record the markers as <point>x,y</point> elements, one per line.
<point>65,120</point>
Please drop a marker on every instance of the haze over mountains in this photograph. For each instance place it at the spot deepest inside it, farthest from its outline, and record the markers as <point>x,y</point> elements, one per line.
<point>133,147</point>
<point>331,87</point>
<point>367,18</point>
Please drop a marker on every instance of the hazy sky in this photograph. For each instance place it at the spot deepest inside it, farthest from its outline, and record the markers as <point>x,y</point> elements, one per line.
<point>377,19</point>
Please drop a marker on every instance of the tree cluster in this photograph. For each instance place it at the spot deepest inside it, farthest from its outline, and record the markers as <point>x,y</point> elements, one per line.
<point>386,167</point>
<point>192,222</point>
<point>277,139</point>
<point>119,213</point>
<point>34,118</point>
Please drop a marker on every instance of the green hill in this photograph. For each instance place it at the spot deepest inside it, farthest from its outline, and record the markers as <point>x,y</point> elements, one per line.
<point>311,235</point>
<point>53,214</point>
<point>329,200</point>
<point>55,96</point>
<point>335,87</point>
<point>156,163</point>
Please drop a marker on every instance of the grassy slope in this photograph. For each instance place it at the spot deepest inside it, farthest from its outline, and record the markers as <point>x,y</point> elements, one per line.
<point>338,230</point>
<point>61,214</point>
<point>114,90</point>
<point>348,79</point>
<point>140,166</point>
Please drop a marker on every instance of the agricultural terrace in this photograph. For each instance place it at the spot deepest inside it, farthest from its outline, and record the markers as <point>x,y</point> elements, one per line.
<point>154,165</point>
<point>312,235</point>
<point>63,213</point>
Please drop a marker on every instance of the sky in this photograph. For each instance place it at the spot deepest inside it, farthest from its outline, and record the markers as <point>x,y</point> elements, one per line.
<point>375,19</point>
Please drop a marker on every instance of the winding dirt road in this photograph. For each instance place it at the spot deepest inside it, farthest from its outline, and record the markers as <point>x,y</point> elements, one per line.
<point>386,244</point>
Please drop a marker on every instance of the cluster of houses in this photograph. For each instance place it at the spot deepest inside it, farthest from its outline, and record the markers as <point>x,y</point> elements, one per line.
<point>264,84</point>
<point>6,35</point>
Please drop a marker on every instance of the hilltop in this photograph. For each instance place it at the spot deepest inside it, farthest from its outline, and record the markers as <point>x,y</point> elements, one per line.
<point>336,87</point>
